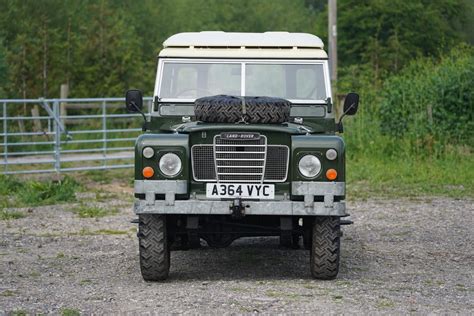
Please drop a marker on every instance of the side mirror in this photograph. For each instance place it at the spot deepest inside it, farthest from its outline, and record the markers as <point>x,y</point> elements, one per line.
<point>351,103</point>
<point>134,101</point>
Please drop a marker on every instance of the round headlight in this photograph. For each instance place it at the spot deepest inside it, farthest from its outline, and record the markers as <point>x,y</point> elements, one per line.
<point>170,164</point>
<point>331,154</point>
<point>309,166</point>
<point>148,152</point>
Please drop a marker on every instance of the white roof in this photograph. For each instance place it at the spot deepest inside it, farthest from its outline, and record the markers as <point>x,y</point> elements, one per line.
<point>242,40</point>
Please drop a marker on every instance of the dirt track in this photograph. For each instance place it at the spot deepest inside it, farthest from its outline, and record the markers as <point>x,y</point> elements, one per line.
<point>410,256</point>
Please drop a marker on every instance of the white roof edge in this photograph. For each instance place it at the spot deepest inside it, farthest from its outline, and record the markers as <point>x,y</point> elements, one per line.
<point>229,39</point>
<point>232,53</point>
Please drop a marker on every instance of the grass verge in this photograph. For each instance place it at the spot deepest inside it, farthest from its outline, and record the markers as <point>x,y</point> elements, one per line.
<point>9,215</point>
<point>372,176</point>
<point>28,192</point>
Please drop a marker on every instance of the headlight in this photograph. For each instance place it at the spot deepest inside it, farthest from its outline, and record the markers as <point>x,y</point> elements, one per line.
<point>148,152</point>
<point>331,154</point>
<point>170,164</point>
<point>309,166</point>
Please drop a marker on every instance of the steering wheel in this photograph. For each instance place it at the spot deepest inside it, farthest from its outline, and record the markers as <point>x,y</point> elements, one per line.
<point>180,93</point>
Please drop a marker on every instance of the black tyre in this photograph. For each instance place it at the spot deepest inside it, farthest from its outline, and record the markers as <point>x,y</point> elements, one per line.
<point>325,248</point>
<point>232,109</point>
<point>267,110</point>
<point>154,250</point>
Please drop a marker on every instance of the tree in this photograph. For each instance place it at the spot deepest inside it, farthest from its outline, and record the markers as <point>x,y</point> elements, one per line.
<point>3,69</point>
<point>387,34</point>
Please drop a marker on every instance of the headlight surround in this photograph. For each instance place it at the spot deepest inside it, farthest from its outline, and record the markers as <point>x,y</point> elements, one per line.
<point>309,166</point>
<point>148,152</point>
<point>170,164</point>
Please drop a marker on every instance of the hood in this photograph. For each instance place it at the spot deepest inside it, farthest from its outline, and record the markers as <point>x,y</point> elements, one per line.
<point>288,128</point>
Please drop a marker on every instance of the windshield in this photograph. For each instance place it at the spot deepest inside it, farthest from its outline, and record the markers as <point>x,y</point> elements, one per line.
<point>187,81</point>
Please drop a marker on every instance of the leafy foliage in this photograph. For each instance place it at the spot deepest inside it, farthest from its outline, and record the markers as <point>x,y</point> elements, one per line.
<point>432,102</point>
<point>387,34</point>
<point>104,47</point>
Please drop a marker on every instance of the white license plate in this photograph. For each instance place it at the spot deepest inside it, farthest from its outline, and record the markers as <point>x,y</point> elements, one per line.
<point>238,190</point>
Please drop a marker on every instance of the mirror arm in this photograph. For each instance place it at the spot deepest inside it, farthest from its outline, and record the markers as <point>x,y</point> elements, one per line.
<point>155,103</point>
<point>339,126</point>
<point>329,101</point>
<point>145,125</point>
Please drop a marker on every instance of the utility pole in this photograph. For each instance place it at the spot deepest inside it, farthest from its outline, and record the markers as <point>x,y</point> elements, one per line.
<point>332,38</point>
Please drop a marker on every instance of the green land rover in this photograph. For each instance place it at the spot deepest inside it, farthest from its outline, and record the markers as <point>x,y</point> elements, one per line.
<point>241,142</point>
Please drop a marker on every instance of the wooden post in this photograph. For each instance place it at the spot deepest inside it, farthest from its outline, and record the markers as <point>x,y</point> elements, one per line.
<point>332,38</point>
<point>36,122</point>
<point>63,106</point>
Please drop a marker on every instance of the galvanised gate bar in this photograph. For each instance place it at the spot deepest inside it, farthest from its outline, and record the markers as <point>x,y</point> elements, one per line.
<point>60,135</point>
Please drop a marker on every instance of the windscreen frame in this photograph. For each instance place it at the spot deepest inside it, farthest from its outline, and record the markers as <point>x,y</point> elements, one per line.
<point>243,62</point>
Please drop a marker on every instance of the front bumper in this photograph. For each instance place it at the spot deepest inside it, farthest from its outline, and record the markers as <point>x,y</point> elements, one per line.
<point>308,207</point>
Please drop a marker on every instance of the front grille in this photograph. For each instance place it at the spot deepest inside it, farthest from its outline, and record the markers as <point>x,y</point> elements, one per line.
<point>240,161</point>
<point>202,157</point>
<point>229,155</point>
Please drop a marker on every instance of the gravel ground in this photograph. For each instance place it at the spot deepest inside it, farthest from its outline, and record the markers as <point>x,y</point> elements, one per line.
<point>400,256</point>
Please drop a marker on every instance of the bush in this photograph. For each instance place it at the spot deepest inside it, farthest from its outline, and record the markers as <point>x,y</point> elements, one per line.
<point>431,104</point>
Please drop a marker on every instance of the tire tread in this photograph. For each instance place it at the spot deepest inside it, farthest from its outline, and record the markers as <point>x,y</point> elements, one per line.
<point>325,248</point>
<point>153,247</point>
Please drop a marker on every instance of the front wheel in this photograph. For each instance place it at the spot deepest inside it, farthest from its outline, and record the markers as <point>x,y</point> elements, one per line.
<point>154,250</point>
<point>325,247</point>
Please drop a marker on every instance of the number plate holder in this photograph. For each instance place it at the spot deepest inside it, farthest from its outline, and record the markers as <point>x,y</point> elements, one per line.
<point>240,191</point>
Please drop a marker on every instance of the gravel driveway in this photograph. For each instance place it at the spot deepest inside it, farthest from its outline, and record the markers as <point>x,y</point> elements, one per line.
<point>408,256</point>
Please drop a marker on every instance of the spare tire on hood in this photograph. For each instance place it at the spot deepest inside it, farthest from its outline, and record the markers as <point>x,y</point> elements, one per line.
<point>232,109</point>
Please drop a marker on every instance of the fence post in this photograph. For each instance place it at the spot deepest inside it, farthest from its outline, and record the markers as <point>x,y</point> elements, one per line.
<point>63,94</point>
<point>5,140</point>
<point>104,133</point>
<point>57,138</point>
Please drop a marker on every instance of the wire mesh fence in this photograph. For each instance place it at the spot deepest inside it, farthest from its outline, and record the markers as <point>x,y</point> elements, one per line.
<point>60,135</point>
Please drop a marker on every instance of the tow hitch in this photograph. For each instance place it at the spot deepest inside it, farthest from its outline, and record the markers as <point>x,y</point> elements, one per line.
<point>237,208</point>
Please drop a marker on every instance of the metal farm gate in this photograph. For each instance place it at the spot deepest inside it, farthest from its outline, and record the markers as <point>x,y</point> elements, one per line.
<point>59,135</point>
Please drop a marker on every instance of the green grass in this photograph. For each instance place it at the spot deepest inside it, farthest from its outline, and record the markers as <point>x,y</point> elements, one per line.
<point>9,215</point>
<point>85,211</point>
<point>85,232</point>
<point>85,282</point>
<point>110,232</point>
<point>384,303</point>
<point>70,312</point>
<point>8,293</point>
<point>373,176</point>
<point>28,192</point>
<point>48,192</point>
